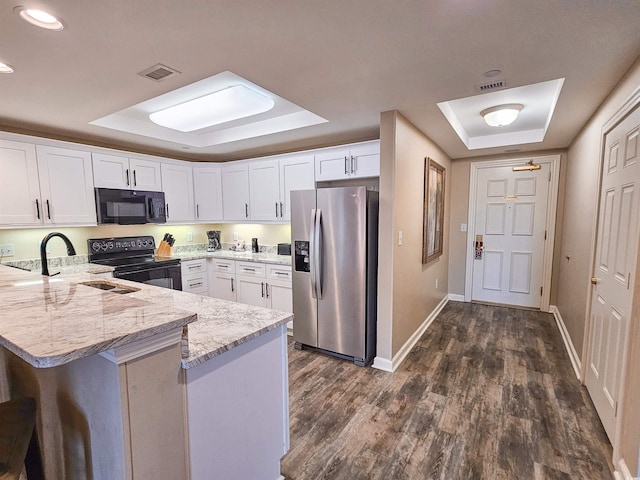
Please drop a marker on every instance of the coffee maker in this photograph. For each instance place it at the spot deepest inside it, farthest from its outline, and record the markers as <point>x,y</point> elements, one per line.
<point>214,240</point>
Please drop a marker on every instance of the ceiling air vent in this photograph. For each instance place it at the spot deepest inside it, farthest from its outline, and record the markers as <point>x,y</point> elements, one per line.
<point>159,72</point>
<point>491,86</point>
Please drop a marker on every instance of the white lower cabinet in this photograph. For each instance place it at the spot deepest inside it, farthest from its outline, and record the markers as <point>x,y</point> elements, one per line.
<point>252,283</point>
<point>222,276</point>
<point>195,276</point>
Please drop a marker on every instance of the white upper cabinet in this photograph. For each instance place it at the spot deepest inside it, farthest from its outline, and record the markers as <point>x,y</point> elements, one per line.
<point>177,182</point>
<point>351,161</point>
<point>264,179</point>
<point>296,173</point>
<point>20,202</point>
<point>235,191</point>
<point>113,171</point>
<point>66,186</point>
<point>207,183</point>
<point>271,182</point>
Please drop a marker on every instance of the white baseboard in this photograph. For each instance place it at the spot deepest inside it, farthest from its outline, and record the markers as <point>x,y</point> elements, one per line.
<point>454,297</point>
<point>568,344</point>
<point>623,473</point>
<point>392,365</point>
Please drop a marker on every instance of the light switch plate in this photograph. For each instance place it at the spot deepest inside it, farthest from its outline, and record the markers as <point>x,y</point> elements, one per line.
<point>463,227</point>
<point>400,237</point>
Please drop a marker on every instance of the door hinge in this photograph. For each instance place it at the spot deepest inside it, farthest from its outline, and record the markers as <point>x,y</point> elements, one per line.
<point>540,291</point>
<point>545,234</point>
<point>549,179</point>
<point>615,410</point>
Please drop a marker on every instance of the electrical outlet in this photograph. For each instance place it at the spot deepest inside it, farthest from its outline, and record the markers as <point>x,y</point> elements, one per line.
<point>6,250</point>
<point>463,227</point>
<point>235,236</point>
<point>189,236</point>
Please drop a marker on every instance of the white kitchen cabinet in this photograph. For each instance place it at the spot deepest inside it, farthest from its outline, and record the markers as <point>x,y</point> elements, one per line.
<point>66,186</point>
<point>207,186</point>
<point>264,181</point>
<point>20,202</point>
<point>195,276</point>
<point>250,278</point>
<point>351,161</point>
<point>177,185</point>
<point>271,182</point>
<point>279,292</point>
<point>115,171</point>
<point>222,279</point>
<point>235,191</point>
<point>45,185</point>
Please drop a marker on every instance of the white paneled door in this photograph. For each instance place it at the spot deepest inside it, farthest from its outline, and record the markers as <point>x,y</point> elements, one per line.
<point>510,220</point>
<point>615,261</point>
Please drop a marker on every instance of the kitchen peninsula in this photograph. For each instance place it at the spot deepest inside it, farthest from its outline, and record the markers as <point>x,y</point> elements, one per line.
<point>153,383</point>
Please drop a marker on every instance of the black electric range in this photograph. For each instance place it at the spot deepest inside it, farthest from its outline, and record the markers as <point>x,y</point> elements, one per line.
<point>133,258</point>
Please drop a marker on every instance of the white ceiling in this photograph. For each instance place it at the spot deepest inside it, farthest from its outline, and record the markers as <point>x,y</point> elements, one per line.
<point>345,61</point>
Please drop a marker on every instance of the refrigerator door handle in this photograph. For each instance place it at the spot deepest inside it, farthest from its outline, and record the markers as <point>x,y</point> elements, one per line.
<point>318,253</point>
<point>312,249</point>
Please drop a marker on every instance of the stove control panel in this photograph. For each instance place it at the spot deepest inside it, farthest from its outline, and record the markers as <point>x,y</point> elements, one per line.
<point>120,244</point>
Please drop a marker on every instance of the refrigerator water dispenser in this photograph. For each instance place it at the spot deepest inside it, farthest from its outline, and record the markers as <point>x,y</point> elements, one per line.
<point>302,256</point>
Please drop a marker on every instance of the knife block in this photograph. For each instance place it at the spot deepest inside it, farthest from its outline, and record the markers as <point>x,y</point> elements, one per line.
<point>164,249</point>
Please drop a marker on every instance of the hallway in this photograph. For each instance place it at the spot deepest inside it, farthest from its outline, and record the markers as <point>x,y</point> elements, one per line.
<point>487,393</point>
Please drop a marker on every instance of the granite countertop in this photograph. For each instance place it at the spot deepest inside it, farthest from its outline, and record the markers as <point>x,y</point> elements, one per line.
<point>235,255</point>
<point>51,321</point>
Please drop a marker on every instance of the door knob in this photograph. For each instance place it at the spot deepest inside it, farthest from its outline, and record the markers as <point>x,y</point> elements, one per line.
<point>595,280</point>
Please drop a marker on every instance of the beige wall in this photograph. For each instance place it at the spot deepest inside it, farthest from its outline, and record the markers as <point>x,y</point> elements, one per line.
<point>26,241</point>
<point>578,243</point>
<point>460,214</point>
<point>407,292</point>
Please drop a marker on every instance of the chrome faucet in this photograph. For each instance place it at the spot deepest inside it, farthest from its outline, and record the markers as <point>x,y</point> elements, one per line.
<point>43,250</point>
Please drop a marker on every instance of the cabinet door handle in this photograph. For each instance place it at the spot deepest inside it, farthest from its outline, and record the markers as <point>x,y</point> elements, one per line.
<point>127,172</point>
<point>276,209</point>
<point>247,269</point>
<point>246,210</point>
<point>267,289</point>
<point>135,180</point>
<point>197,284</point>
<point>48,210</point>
<point>346,168</point>
<point>191,267</point>
<point>353,164</point>
<point>282,273</point>
<point>223,266</point>
<point>281,214</point>
<point>232,285</point>
<point>167,209</point>
<point>197,211</point>
<point>262,289</point>
<point>38,208</point>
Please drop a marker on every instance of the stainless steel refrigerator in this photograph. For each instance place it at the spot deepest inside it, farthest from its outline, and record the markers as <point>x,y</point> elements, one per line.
<point>334,232</point>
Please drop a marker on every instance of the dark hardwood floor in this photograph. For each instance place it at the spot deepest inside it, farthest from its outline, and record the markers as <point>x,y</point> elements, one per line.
<point>487,393</point>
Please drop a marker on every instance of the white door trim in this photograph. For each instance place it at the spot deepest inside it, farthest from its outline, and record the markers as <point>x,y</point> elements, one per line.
<point>554,161</point>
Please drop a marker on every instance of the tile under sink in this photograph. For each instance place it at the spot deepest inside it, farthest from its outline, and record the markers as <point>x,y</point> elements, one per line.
<point>109,286</point>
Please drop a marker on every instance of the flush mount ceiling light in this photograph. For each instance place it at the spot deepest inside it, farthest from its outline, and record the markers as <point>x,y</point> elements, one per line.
<point>501,115</point>
<point>5,68</point>
<point>219,107</point>
<point>39,18</point>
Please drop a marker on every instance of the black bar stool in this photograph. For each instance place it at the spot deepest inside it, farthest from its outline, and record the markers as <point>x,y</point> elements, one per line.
<point>18,442</point>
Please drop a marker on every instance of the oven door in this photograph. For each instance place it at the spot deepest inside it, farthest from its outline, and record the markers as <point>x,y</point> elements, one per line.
<point>166,277</point>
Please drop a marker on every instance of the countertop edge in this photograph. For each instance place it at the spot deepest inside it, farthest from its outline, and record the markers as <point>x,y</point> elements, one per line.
<point>188,363</point>
<point>83,352</point>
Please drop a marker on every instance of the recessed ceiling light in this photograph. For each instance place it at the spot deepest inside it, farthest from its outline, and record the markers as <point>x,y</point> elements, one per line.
<point>39,18</point>
<point>223,106</point>
<point>492,73</point>
<point>5,68</point>
<point>501,115</point>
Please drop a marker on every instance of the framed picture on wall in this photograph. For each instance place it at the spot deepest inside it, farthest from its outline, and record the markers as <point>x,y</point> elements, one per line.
<point>433,210</point>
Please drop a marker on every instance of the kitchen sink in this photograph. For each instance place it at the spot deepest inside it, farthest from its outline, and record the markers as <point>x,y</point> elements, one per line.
<point>110,286</point>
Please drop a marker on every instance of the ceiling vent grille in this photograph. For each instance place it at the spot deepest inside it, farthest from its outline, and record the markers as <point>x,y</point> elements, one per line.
<point>491,86</point>
<point>159,72</point>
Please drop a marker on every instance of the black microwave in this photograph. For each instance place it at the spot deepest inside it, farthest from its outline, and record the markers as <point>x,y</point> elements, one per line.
<point>129,207</point>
